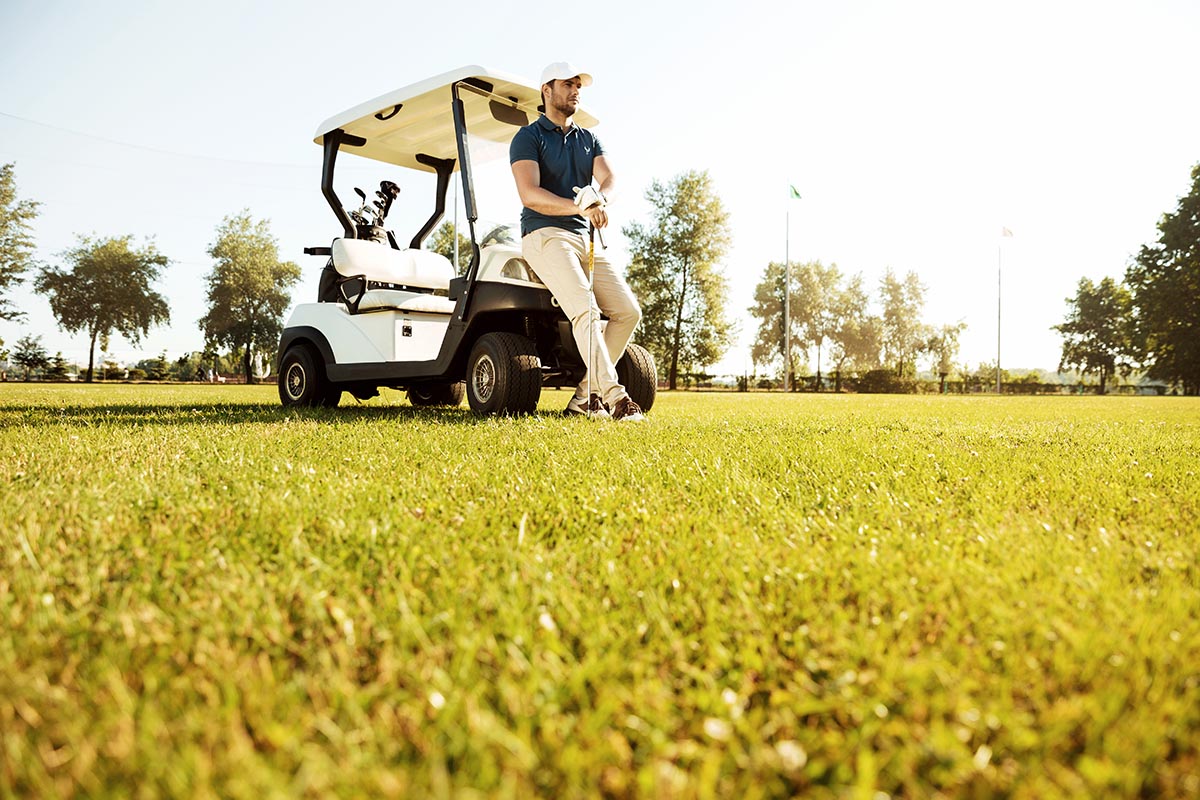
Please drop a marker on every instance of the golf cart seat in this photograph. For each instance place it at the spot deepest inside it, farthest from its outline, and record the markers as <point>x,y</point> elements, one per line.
<point>376,277</point>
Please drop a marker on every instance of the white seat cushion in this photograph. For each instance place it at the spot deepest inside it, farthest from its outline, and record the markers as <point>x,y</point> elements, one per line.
<point>378,262</point>
<point>387,299</point>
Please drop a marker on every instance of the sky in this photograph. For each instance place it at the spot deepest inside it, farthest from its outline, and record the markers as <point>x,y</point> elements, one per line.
<point>914,131</point>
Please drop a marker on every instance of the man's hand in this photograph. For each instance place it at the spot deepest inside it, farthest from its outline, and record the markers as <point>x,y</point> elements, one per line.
<point>597,216</point>
<point>587,197</point>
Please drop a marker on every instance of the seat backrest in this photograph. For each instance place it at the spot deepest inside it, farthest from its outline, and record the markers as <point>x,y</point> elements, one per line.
<point>378,262</point>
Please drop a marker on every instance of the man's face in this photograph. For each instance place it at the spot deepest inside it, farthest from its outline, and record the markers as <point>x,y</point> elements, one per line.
<point>564,95</point>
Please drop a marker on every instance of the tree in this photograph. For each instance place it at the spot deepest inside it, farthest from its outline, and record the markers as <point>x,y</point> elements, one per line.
<point>1099,333</point>
<point>215,364</point>
<point>188,367</point>
<point>904,335</point>
<point>856,339</point>
<point>820,306</point>
<point>676,275</point>
<point>985,374</point>
<point>113,371</point>
<point>768,344</point>
<point>247,289</point>
<point>943,345</point>
<point>1165,284</point>
<point>157,368</point>
<point>107,289</point>
<point>442,242</point>
<point>57,367</point>
<point>30,354</point>
<point>16,242</point>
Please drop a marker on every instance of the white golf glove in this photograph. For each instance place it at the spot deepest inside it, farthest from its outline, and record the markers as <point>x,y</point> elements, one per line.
<point>587,197</point>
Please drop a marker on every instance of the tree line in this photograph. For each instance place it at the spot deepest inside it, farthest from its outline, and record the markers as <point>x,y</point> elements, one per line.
<point>105,285</point>
<point>676,272</point>
<point>1150,320</point>
<point>30,355</point>
<point>831,317</point>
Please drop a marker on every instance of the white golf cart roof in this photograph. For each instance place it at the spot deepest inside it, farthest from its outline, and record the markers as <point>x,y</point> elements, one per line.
<point>419,120</point>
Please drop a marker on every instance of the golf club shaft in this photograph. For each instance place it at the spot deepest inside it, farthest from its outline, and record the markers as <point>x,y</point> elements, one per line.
<point>588,358</point>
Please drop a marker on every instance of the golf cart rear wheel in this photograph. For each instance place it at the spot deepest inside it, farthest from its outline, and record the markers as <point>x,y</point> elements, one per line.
<point>437,394</point>
<point>637,373</point>
<point>302,380</point>
<point>504,375</point>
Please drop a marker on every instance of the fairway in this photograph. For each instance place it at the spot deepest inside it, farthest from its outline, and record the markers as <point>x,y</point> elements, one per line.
<point>202,595</point>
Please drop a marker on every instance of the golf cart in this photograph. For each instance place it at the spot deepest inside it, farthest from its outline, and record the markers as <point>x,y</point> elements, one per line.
<point>401,317</point>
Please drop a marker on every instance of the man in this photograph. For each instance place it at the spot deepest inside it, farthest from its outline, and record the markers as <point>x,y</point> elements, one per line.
<point>554,162</point>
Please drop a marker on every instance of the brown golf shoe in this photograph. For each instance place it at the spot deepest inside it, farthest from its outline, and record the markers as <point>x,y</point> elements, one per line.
<point>595,409</point>
<point>627,411</point>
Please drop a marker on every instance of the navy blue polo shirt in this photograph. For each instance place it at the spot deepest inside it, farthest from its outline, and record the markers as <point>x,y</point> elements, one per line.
<point>565,161</point>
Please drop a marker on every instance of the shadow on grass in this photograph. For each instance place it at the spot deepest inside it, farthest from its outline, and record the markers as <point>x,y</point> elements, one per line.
<point>143,414</point>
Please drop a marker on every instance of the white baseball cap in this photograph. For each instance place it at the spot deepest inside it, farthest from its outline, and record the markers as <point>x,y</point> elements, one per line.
<point>561,70</point>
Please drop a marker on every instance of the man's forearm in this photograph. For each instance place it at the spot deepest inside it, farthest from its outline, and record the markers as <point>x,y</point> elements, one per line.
<point>608,188</point>
<point>548,203</point>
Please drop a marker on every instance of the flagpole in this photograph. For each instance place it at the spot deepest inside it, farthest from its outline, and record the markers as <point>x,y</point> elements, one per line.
<point>999,260</point>
<point>787,287</point>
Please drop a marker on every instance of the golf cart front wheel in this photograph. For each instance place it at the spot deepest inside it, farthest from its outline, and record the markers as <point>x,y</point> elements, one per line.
<point>302,380</point>
<point>504,375</point>
<point>637,373</point>
<point>437,394</point>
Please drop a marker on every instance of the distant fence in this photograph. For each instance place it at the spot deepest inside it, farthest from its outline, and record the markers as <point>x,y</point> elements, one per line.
<point>1026,387</point>
<point>864,385</point>
<point>225,379</point>
<point>732,383</point>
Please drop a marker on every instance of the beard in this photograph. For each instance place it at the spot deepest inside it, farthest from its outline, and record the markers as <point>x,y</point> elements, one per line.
<point>564,106</point>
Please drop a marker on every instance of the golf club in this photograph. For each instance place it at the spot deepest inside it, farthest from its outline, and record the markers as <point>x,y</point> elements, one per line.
<point>388,192</point>
<point>360,214</point>
<point>591,324</point>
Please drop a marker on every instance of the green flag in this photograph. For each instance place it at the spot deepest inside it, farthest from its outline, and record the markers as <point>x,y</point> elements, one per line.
<point>795,194</point>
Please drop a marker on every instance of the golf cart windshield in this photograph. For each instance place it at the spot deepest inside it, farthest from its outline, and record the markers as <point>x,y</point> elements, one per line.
<point>507,233</point>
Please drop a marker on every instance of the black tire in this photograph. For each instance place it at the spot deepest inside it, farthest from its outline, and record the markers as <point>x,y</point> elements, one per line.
<point>637,373</point>
<point>504,375</point>
<point>331,396</point>
<point>302,380</point>
<point>437,394</point>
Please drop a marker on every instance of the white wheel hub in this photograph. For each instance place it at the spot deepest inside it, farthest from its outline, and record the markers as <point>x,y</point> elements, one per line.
<point>483,378</point>
<point>295,380</point>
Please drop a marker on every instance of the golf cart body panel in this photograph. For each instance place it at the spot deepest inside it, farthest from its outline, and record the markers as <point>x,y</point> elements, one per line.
<point>377,337</point>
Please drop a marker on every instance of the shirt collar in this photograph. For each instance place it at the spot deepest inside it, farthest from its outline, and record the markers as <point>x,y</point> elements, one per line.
<point>545,122</point>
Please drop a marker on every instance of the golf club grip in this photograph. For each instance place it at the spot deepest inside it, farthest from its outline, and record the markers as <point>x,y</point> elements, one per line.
<point>592,250</point>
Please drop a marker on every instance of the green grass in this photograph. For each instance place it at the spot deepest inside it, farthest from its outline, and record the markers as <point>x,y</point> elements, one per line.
<point>204,595</point>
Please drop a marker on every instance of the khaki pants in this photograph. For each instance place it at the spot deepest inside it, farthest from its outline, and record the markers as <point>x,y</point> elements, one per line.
<point>560,259</point>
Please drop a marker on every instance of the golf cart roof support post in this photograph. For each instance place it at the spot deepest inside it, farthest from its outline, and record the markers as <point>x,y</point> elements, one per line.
<point>464,157</point>
<point>334,140</point>
<point>464,160</point>
<point>444,168</point>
